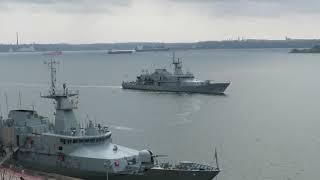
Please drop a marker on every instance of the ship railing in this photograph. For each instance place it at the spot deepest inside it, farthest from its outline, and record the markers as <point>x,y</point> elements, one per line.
<point>208,81</point>
<point>66,93</point>
<point>130,82</point>
<point>194,166</point>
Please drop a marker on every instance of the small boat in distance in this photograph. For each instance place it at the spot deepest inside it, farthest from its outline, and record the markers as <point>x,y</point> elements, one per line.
<point>314,49</point>
<point>143,48</point>
<point>53,53</point>
<point>121,51</point>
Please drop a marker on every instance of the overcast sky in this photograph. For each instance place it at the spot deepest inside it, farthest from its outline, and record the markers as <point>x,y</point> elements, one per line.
<point>92,21</point>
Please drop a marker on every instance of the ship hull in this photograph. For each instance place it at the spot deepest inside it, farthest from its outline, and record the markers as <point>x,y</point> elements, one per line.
<point>148,175</point>
<point>212,88</point>
<point>49,164</point>
<point>121,52</point>
<point>152,50</point>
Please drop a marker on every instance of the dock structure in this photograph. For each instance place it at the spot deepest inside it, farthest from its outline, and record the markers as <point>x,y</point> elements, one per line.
<point>11,172</point>
<point>9,151</point>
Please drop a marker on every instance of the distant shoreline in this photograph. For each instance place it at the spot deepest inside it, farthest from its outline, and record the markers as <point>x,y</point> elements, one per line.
<point>231,44</point>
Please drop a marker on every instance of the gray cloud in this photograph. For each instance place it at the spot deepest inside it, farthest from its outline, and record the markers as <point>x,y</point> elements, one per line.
<point>66,6</point>
<point>254,7</point>
<point>264,8</point>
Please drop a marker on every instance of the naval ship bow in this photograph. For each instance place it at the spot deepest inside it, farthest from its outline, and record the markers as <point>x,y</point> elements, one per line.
<point>64,147</point>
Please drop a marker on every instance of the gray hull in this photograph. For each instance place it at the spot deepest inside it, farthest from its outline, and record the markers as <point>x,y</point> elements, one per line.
<point>49,164</point>
<point>214,88</point>
<point>149,175</point>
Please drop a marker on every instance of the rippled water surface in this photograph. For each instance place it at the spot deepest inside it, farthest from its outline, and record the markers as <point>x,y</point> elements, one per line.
<point>265,127</point>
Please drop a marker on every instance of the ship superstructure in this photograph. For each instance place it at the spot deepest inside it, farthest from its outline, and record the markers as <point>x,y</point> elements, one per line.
<point>67,148</point>
<point>176,81</point>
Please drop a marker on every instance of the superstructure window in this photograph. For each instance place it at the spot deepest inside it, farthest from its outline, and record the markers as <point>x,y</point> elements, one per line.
<point>60,148</point>
<point>89,140</point>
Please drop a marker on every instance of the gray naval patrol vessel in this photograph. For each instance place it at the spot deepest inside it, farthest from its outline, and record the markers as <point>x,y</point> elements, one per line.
<point>178,81</point>
<point>64,147</point>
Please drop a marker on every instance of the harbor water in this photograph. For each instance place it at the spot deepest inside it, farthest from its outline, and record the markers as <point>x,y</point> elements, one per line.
<point>265,127</point>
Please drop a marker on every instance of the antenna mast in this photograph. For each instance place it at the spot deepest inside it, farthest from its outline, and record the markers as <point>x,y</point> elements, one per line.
<point>53,75</point>
<point>216,157</point>
<point>7,106</point>
<point>177,64</point>
<point>20,104</point>
<point>173,56</point>
<point>17,36</point>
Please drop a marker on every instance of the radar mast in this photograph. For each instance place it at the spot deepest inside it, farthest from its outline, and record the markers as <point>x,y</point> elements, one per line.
<point>53,75</point>
<point>66,102</point>
<point>177,65</point>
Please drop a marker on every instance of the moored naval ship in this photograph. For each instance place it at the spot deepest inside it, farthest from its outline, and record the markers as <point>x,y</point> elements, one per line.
<point>178,81</point>
<point>65,147</point>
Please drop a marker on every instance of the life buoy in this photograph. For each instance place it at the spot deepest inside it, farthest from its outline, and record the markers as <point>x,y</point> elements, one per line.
<point>61,157</point>
<point>29,142</point>
<point>116,163</point>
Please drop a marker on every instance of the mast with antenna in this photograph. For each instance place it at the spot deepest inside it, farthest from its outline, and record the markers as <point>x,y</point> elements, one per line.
<point>53,75</point>
<point>173,56</point>
<point>65,102</point>
<point>216,158</point>
<point>7,106</point>
<point>17,39</point>
<point>0,112</point>
<point>177,65</point>
<point>19,104</point>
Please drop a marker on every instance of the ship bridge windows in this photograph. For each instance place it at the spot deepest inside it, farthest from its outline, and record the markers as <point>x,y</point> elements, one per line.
<point>84,140</point>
